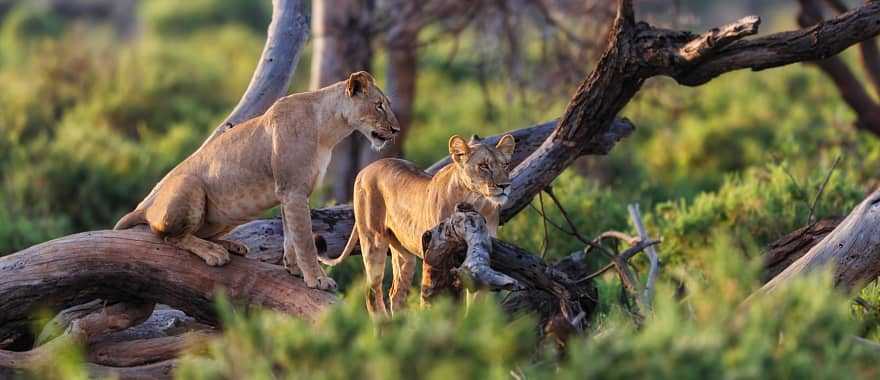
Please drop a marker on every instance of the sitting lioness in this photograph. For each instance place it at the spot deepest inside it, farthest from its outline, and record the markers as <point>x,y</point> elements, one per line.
<point>275,158</point>
<point>395,202</point>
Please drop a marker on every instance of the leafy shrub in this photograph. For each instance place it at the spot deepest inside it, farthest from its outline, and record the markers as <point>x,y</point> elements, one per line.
<point>757,207</point>
<point>438,343</point>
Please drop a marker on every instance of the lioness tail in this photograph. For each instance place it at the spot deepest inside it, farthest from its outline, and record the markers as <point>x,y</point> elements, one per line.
<point>130,220</point>
<point>352,242</point>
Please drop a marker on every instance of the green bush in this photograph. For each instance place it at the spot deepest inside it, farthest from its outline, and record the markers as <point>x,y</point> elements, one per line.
<point>757,207</point>
<point>437,343</point>
<point>174,18</point>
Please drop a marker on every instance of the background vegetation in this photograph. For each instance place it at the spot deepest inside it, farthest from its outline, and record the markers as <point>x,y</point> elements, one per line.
<point>90,121</point>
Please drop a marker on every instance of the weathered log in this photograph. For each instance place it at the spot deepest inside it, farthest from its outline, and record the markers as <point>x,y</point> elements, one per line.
<point>145,351</point>
<point>456,248</point>
<point>102,321</point>
<point>851,251</point>
<point>791,247</point>
<point>136,265</point>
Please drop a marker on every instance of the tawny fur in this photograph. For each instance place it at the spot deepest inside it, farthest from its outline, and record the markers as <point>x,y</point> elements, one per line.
<point>275,158</point>
<point>395,203</point>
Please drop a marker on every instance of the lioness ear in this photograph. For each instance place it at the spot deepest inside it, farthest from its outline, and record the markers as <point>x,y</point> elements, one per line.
<point>358,83</point>
<point>458,149</point>
<point>506,145</point>
<point>475,139</point>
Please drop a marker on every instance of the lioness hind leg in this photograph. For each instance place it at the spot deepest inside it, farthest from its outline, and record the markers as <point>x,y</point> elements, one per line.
<point>214,254</point>
<point>177,212</point>
<point>214,232</point>
<point>403,265</point>
<point>375,251</point>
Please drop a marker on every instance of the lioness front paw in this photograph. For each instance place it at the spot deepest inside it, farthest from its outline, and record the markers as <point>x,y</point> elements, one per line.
<point>319,280</point>
<point>215,257</point>
<point>323,283</point>
<point>234,247</point>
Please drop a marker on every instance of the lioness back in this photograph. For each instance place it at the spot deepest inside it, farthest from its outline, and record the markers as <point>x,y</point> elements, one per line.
<point>392,195</point>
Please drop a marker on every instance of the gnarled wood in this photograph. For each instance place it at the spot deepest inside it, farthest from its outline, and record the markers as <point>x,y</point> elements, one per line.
<point>789,248</point>
<point>851,251</point>
<point>145,351</point>
<point>458,246</point>
<point>136,265</point>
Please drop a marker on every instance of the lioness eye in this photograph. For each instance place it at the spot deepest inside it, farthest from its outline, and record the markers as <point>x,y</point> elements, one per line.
<point>380,107</point>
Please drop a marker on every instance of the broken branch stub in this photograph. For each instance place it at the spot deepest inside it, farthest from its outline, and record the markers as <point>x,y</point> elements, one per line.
<point>468,226</point>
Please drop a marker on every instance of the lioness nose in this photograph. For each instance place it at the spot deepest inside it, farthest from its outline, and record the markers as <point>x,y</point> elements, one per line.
<point>503,186</point>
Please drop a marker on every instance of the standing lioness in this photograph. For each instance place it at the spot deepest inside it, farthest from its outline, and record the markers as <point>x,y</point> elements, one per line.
<point>395,203</point>
<point>275,158</point>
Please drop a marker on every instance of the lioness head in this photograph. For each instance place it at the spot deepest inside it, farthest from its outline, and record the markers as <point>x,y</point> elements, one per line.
<point>372,113</point>
<point>483,167</point>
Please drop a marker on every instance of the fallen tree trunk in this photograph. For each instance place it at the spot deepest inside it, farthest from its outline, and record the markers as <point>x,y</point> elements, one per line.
<point>145,351</point>
<point>851,251</point>
<point>791,247</point>
<point>136,265</point>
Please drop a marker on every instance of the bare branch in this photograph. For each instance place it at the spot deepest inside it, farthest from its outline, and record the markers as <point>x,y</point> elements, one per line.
<point>286,37</point>
<point>648,294</point>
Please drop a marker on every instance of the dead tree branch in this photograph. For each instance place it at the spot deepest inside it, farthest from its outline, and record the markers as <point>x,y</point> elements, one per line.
<point>457,247</point>
<point>647,295</point>
<point>848,84</point>
<point>851,251</point>
<point>287,34</point>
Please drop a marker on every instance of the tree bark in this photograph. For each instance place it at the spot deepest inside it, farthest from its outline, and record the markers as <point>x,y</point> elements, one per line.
<point>136,265</point>
<point>342,46</point>
<point>457,255</point>
<point>850,87</point>
<point>851,251</point>
<point>402,48</point>
<point>789,248</point>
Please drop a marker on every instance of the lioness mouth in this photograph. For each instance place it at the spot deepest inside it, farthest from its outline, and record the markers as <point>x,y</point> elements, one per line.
<point>379,137</point>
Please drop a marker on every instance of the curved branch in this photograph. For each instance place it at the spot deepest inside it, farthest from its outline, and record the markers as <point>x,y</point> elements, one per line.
<point>819,41</point>
<point>285,39</point>
<point>136,265</point>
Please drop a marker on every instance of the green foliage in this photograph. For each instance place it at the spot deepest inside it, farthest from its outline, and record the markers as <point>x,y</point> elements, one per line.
<point>756,208</point>
<point>437,343</point>
<point>804,332</point>
<point>85,131</point>
<point>593,209</point>
<point>708,334</point>
<point>26,24</point>
<point>174,18</point>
